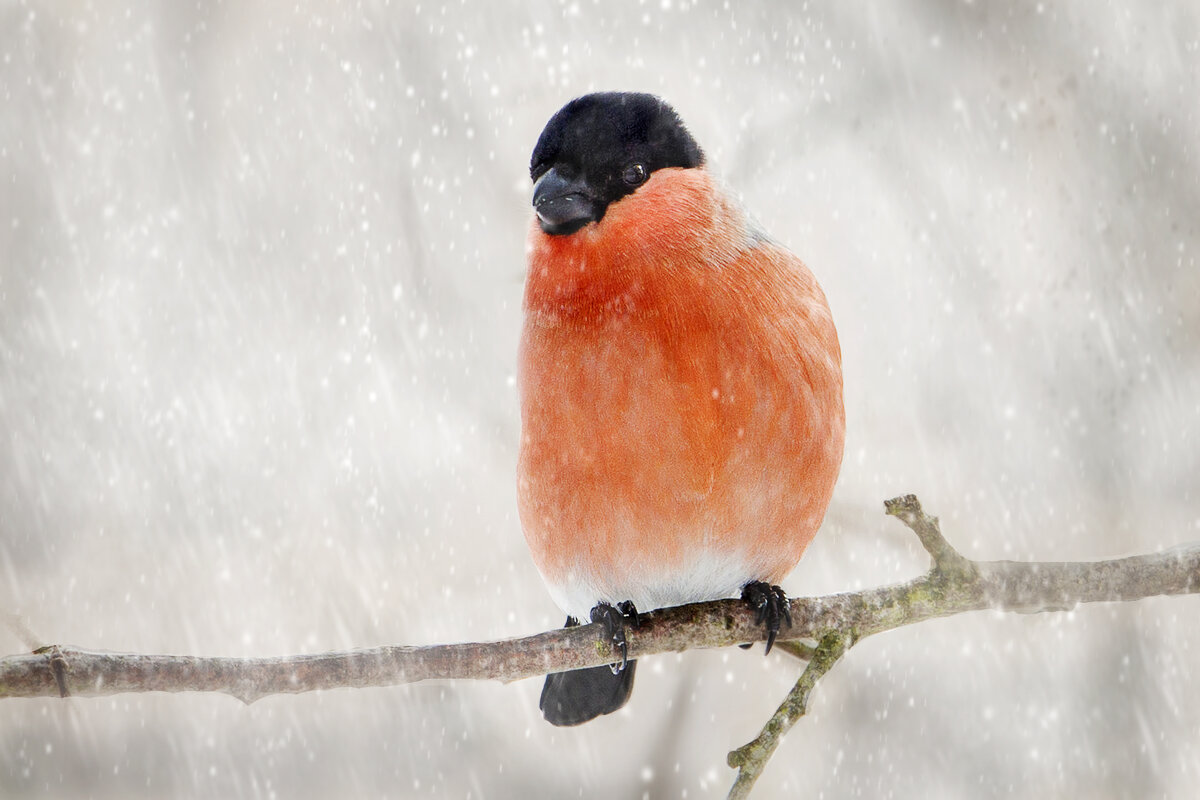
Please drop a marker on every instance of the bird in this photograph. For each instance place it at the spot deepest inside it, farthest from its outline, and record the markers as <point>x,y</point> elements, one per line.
<point>680,384</point>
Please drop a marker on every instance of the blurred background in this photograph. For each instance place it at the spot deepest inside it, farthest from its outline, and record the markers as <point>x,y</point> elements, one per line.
<point>260,276</point>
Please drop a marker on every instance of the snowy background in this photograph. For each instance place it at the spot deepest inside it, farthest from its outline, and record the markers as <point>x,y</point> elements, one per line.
<point>260,279</point>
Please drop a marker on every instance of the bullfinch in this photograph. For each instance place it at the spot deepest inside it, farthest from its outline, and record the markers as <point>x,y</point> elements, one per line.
<point>680,387</point>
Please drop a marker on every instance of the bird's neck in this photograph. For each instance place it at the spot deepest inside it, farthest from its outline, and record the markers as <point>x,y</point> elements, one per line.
<point>648,251</point>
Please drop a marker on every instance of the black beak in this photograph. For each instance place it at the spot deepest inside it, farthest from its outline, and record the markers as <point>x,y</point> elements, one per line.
<point>563,206</point>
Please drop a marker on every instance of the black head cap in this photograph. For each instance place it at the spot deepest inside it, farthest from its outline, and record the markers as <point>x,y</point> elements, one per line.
<point>599,148</point>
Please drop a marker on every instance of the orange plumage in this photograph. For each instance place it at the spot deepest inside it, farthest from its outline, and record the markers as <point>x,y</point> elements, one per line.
<point>681,386</point>
<point>681,391</point>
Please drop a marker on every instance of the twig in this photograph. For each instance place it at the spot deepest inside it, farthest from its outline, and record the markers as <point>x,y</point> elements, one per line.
<point>750,759</point>
<point>946,560</point>
<point>953,584</point>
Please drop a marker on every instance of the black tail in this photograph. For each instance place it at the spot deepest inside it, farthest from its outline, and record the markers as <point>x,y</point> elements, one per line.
<point>573,698</point>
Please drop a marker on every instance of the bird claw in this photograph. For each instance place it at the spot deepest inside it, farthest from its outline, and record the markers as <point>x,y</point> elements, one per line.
<point>771,605</point>
<point>614,620</point>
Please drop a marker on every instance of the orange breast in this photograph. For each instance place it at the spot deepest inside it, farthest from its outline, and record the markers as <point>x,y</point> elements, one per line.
<point>681,401</point>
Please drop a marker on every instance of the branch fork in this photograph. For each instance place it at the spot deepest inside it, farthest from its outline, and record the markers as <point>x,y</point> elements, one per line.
<point>950,573</point>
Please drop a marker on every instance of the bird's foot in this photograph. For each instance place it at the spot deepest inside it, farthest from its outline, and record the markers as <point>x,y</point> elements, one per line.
<point>772,606</point>
<point>614,620</point>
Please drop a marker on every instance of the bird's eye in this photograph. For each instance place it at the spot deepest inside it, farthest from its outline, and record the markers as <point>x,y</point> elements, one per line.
<point>634,174</point>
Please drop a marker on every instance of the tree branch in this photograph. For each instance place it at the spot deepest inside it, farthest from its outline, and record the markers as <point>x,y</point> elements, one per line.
<point>750,759</point>
<point>954,585</point>
<point>946,559</point>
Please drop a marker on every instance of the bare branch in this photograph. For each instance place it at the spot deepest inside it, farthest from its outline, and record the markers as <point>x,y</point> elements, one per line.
<point>1014,586</point>
<point>1007,585</point>
<point>946,559</point>
<point>954,585</point>
<point>750,759</point>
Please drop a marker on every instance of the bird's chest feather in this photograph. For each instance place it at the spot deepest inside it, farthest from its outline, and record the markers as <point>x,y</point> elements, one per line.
<point>628,407</point>
<point>634,370</point>
<point>629,435</point>
<point>680,403</point>
<point>646,428</point>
